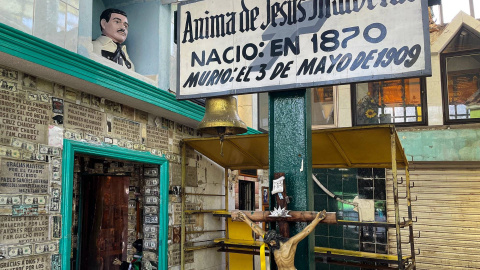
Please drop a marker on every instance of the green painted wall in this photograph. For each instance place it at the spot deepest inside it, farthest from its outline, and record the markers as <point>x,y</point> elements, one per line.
<point>441,145</point>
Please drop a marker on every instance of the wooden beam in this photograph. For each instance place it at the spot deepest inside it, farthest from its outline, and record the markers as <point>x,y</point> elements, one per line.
<point>296,216</point>
<point>339,149</point>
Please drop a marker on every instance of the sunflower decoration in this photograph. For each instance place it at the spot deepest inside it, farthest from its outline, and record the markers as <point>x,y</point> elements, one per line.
<point>367,110</point>
<point>370,113</point>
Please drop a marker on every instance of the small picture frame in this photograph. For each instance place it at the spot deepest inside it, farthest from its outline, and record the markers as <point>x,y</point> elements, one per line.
<point>265,195</point>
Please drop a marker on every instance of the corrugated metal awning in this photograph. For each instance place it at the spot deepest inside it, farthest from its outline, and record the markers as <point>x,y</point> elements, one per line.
<point>359,147</point>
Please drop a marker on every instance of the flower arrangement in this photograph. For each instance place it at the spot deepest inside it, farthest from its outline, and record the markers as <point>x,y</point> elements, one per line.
<point>367,110</point>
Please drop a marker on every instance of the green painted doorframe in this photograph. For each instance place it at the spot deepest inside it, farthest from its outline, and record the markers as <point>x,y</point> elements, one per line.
<point>70,148</point>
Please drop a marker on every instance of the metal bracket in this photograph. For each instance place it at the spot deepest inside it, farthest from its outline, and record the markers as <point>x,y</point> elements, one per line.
<point>287,199</point>
<point>401,181</point>
<point>405,220</point>
<point>412,200</point>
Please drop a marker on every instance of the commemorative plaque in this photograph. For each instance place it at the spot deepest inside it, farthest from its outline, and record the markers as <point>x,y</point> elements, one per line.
<point>87,119</point>
<point>21,230</point>
<point>23,177</point>
<point>157,137</point>
<point>29,262</point>
<point>22,118</point>
<point>126,129</point>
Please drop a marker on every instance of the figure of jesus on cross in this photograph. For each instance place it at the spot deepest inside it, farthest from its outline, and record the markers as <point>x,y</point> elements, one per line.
<point>283,249</point>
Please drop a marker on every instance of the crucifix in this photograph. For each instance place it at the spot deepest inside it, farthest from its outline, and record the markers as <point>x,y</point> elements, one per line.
<point>281,245</point>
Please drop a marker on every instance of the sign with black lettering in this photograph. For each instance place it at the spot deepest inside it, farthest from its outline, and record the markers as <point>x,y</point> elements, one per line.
<point>22,118</point>
<point>87,119</point>
<point>22,230</point>
<point>126,129</point>
<point>248,46</point>
<point>157,137</point>
<point>18,177</point>
<point>30,262</point>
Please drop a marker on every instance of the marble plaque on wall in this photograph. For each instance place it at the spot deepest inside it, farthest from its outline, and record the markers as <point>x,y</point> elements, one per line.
<point>30,262</point>
<point>22,118</point>
<point>21,230</point>
<point>23,177</point>
<point>87,119</point>
<point>157,137</point>
<point>126,129</point>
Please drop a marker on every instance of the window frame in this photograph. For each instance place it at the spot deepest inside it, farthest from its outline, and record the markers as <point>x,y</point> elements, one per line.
<point>423,100</point>
<point>258,112</point>
<point>444,87</point>
<point>314,127</point>
<point>335,109</point>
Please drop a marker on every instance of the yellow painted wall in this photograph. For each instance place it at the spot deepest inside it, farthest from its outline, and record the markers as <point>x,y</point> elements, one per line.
<point>240,230</point>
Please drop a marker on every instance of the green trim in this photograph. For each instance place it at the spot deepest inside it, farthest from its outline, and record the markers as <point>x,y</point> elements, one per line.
<point>41,52</point>
<point>70,148</point>
<point>252,131</point>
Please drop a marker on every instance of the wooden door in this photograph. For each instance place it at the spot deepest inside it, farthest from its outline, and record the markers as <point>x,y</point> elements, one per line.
<point>104,222</point>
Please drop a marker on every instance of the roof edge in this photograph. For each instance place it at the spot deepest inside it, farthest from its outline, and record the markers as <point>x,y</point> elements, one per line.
<point>33,49</point>
<point>460,20</point>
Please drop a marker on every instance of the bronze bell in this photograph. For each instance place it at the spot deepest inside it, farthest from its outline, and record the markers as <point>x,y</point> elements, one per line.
<point>221,117</point>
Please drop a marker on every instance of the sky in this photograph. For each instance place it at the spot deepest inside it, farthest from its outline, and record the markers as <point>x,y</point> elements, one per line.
<point>452,7</point>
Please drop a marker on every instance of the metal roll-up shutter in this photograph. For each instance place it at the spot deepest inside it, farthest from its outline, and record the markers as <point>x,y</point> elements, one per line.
<point>445,200</point>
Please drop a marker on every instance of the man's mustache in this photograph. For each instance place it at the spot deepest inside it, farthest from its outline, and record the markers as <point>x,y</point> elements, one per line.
<point>121,30</point>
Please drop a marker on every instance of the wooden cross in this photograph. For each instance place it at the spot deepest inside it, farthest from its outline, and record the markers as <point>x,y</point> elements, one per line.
<point>284,247</point>
<point>282,201</point>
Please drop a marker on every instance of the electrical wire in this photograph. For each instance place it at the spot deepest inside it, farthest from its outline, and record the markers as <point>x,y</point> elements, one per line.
<point>331,194</point>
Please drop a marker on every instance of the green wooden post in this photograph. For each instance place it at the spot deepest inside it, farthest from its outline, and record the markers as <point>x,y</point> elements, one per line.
<point>290,151</point>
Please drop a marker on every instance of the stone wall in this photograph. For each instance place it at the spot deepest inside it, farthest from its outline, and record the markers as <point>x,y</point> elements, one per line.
<point>35,116</point>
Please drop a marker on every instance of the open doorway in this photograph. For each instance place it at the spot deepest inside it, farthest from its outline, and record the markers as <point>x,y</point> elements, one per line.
<point>147,198</point>
<point>109,214</point>
<point>246,193</point>
<point>104,221</point>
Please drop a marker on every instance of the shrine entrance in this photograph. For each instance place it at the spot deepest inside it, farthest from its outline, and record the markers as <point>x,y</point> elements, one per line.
<point>109,211</point>
<point>104,223</point>
<point>111,197</point>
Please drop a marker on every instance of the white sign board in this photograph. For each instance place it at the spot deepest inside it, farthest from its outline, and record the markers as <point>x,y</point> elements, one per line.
<point>245,46</point>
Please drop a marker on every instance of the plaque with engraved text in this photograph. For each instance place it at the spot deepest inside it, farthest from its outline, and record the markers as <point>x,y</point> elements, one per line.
<point>22,230</point>
<point>22,118</point>
<point>23,177</point>
<point>87,119</point>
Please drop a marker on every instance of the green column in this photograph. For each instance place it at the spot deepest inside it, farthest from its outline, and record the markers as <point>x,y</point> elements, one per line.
<point>290,152</point>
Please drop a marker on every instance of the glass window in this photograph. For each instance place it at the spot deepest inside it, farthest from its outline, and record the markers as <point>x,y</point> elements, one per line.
<point>461,87</point>
<point>323,108</point>
<point>399,101</point>
<point>263,112</point>
<point>348,184</point>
